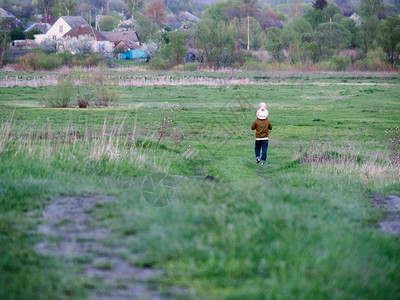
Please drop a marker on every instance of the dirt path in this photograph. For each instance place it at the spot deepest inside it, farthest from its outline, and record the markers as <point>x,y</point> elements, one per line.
<point>69,221</point>
<point>391,204</point>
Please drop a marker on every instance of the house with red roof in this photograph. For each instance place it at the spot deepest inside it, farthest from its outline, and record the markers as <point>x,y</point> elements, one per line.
<point>68,30</point>
<point>98,41</point>
<point>61,27</point>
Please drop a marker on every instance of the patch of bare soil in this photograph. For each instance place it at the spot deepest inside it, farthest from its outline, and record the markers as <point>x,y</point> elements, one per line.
<point>391,204</point>
<point>69,223</point>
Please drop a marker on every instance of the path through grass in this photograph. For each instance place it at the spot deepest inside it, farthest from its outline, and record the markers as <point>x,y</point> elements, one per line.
<point>302,226</point>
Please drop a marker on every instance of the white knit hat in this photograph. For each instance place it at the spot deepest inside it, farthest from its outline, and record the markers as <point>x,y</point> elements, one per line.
<point>262,113</point>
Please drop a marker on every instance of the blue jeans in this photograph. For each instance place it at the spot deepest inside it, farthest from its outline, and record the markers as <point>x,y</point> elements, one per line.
<point>264,146</point>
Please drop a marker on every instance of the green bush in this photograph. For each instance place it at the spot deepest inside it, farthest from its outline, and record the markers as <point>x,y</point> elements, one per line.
<point>159,63</point>
<point>253,65</point>
<point>110,22</point>
<point>25,61</point>
<point>178,67</point>
<point>40,61</point>
<point>105,96</point>
<point>190,66</point>
<point>326,65</point>
<point>375,60</point>
<point>341,62</point>
<point>336,63</point>
<point>62,95</point>
<point>67,58</point>
<point>30,35</point>
<point>47,62</point>
<point>93,59</point>
<point>278,66</point>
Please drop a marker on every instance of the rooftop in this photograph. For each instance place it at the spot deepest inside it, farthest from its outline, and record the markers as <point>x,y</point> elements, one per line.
<point>86,30</point>
<point>5,14</point>
<point>74,21</point>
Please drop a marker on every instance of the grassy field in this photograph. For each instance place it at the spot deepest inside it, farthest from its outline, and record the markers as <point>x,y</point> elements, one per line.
<point>303,226</point>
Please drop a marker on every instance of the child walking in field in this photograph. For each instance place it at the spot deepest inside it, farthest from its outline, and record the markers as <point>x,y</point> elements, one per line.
<point>262,126</point>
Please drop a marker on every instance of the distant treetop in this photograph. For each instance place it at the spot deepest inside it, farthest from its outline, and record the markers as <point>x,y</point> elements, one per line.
<point>319,4</point>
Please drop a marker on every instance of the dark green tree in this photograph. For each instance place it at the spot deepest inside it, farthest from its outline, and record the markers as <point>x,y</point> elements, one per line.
<point>30,35</point>
<point>217,12</point>
<point>133,5</point>
<point>314,17</point>
<point>64,8</point>
<point>332,37</point>
<point>217,41</point>
<point>389,38</point>
<point>368,33</point>
<point>177,45</point>
<point>319,4</point>
<point>6,25</point>
<point>172,53</point>
<point>4,42</point>
<point>310,51</point>
<point>353,30</point>
<point>369,8</point>
<point>44,6</point>
<point>17,34</point>
<point>109,22</point>
<point>331,12</point>
<point>273,42</point>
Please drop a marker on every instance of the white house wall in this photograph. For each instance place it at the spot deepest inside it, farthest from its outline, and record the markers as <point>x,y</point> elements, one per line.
<point>106,45</point>
<point>59,28</point>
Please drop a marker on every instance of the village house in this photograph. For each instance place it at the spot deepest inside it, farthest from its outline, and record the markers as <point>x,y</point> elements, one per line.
<point>42,27</point>
<point>98,41</point>
<point>5,14</point>
<point>49,19</point>
<point>183,20</point>
<point>12,20</point>
<point>60,27</point>
<point>126,45</point>
<point>128,40</point>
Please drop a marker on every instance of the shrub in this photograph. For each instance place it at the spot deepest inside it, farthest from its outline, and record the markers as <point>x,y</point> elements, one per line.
<point>47,62</point>
<point>190,66</point>
<point>336,63</point>
<point>93,59</point>
<point>341,62</point>
<point>40,61</point>
<point>67,58</point>
<point>253,65</point>
<point>30,35</point>
<point>49,45</point>
<point>25,61</point>
<point>84,100</point>
<point>278,66</point>
<point>110,22</point>
<point>82,103</point>
<point>82,44</point>
<point>159,63</point>
<point>17,34</point>
<point>105,96</point>
<point>326,65</point>
<point>62,95</point>
<point>374,61</point>
<point>178,68</point>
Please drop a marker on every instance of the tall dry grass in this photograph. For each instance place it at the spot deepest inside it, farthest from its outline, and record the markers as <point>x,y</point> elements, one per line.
<point>113,141</point>
<point>374,168</point>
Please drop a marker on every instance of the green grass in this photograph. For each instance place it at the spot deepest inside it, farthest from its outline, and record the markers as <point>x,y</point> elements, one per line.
<point>286,230</point>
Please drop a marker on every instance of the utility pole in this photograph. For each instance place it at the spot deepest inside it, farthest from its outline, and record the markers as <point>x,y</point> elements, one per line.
<point>248,33</point>
<point>108,7</point>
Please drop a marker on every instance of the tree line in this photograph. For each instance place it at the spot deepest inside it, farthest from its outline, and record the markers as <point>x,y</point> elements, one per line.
<point>248,33</point>
<point>322,35</point>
